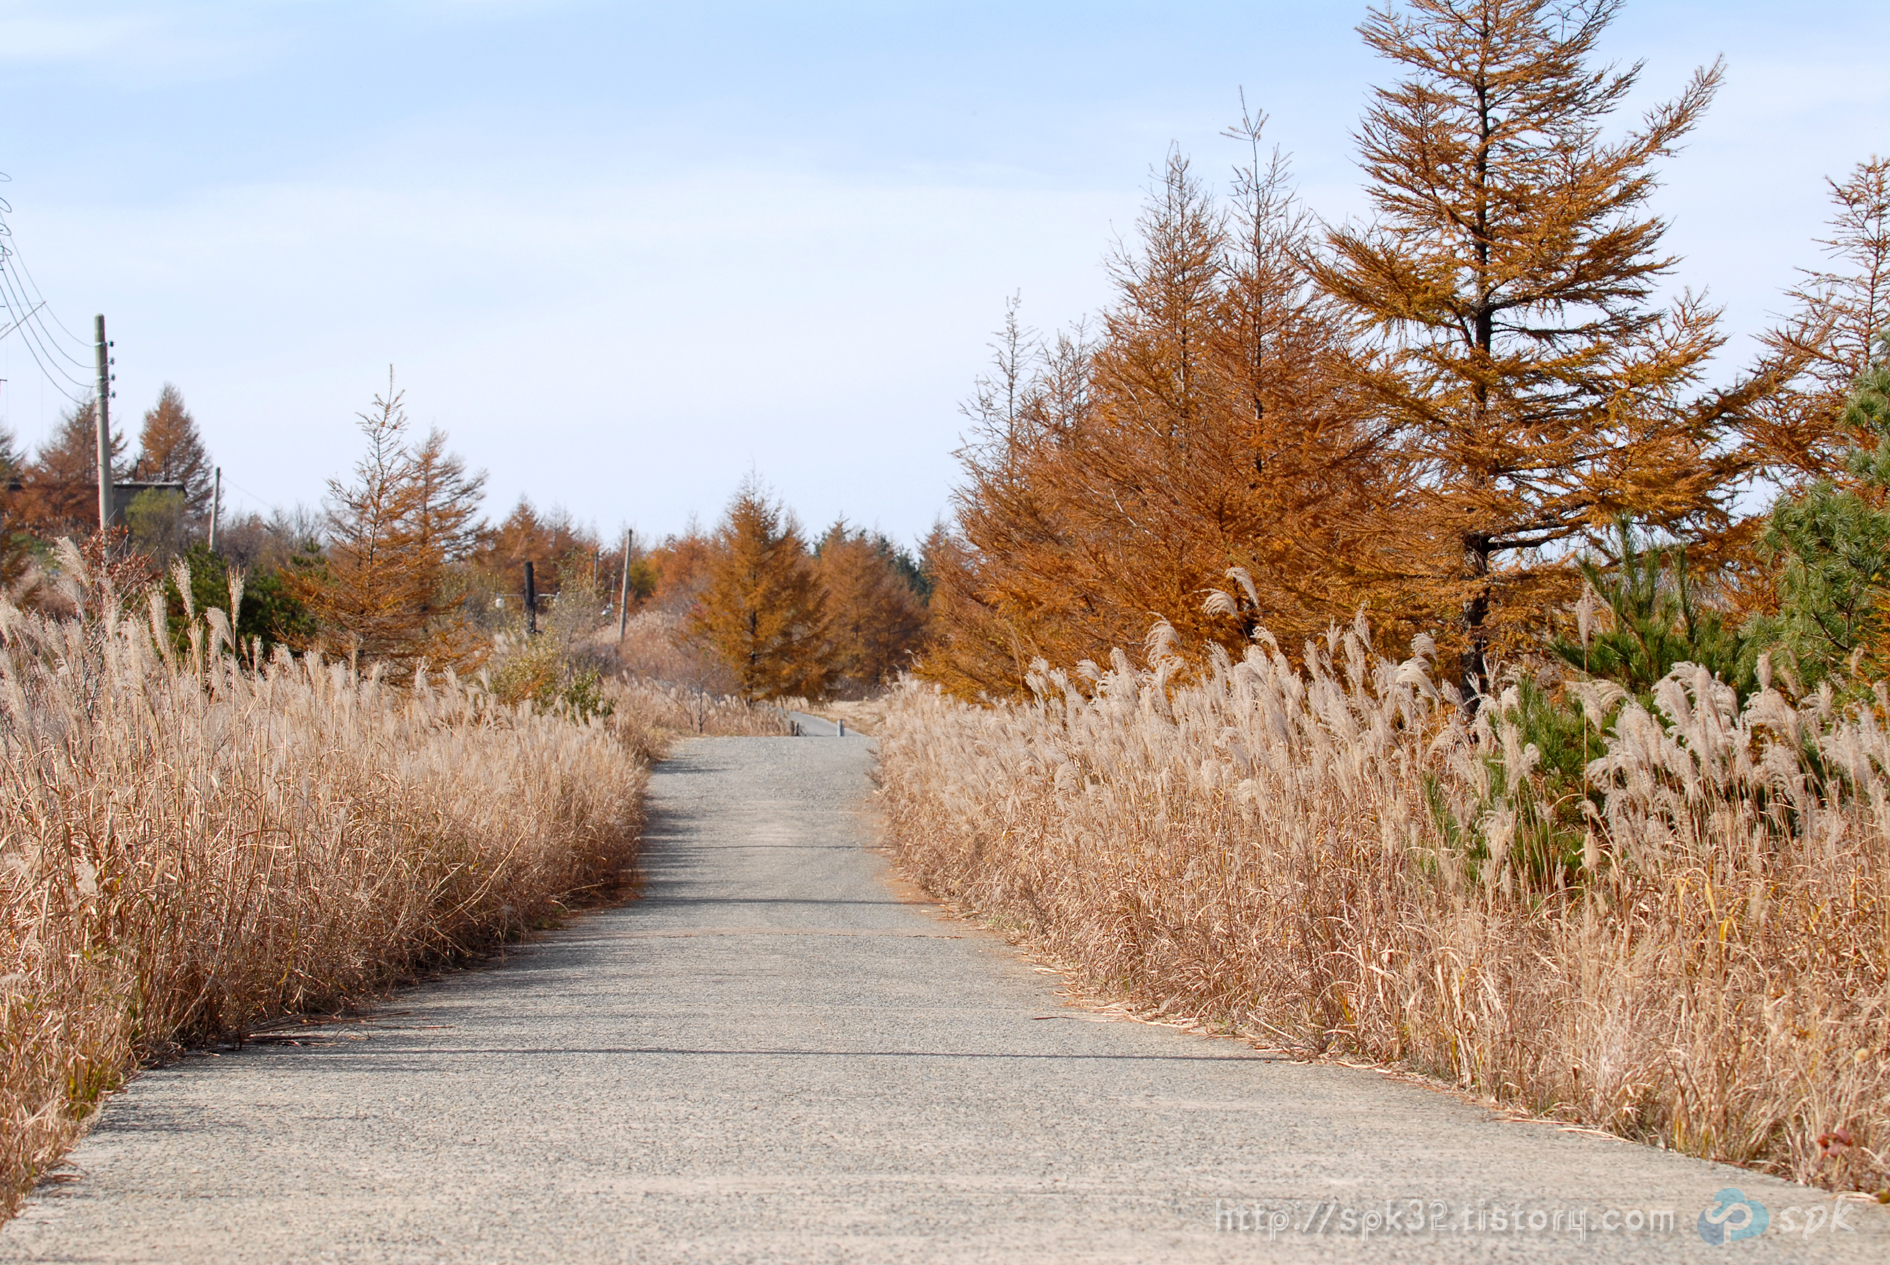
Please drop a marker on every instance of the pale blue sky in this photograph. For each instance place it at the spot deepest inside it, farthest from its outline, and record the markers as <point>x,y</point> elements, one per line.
<point>627,252</point>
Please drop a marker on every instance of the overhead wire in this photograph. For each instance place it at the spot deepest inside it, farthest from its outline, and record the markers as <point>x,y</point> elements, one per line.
<point>20,260</point>
<point>267,504</point>
<point>35,338</point>
<point>53,371</point>
<point>9,329</point>
<point>28,310</point>
<point>24,301</point>
<point>23,312</point>
<point>10,263</point>
<point>42,342</point>
<point>263,500</point>
<point>48,371</point>
<point>251,495</point>
<point>48,338</point>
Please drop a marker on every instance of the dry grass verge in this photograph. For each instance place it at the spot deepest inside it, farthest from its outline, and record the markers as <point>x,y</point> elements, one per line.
<point>862,716</point>
<point>1332,859</point>
<point>190,844</point>
<point>676,710</point>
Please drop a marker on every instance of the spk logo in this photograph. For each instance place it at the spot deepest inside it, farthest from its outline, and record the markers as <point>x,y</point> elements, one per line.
<point>1732,1217</point>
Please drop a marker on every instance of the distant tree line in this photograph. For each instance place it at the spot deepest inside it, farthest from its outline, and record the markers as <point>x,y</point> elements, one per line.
<point>399,569</point>
<point>840,615</point>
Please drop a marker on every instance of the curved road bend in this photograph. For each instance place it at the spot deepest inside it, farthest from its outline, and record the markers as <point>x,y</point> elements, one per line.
<point>772,1057</point>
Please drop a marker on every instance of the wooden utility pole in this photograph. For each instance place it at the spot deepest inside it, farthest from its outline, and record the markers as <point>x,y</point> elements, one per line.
<point>623,598</point>
<point>102,411</point>
<point>216,504</point>
<point>531,602</point>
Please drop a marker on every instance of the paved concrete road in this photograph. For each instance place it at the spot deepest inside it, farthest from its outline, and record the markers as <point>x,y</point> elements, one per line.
<point>812,726</point>
<point>772,1058</point>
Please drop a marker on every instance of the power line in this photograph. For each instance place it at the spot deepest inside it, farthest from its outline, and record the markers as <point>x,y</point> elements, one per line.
<point>33,335</point>
<point>21,260</point>
<point>8,259</point>
<point>271,505</point>
<point>16,300</point>
<point>9,329</point>
<point>48,373</point>
<point>44,344</point>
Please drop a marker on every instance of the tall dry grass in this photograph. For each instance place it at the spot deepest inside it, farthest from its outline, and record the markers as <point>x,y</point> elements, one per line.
<point>190,843</point>
<point>670,709</point>
<point>1333,859</point>
<point>658,646</point>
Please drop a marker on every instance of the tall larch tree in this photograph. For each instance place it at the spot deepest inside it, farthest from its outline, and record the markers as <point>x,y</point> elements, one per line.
<point>762,610</point>
<point>171,451</point>
<point>1313,490</point>
<point>1141,477</point>
<point>392,533</point>
<point>60,487</point>
<point>1206,429</point>
<point>876,618</point>
<point>443,500</point>
<point>1509,274</point>
<point>1001,571</point>
<point>1800,435</point>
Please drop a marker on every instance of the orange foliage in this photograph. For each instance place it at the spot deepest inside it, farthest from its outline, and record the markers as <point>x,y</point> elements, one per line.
<point>761,607</point>
<point>59,488</point>
<point>679,569</point>
<point>1507,280</point>
<point>1799,435</point>
<point>171,451</point>
<point>387,591</point>
<point>876,618</point>
<point>560,551</point>
<point>1115,483</point>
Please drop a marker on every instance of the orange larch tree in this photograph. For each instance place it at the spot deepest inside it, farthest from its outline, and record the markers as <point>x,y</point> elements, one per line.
<point>1509,278</point>
<point>385,593</point>
<point>762,609</point>
<point>59,488</point>
<point>171,451</point>
<point>1205,430</point>
<point>1799,436</point>
<point>876,618</point>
